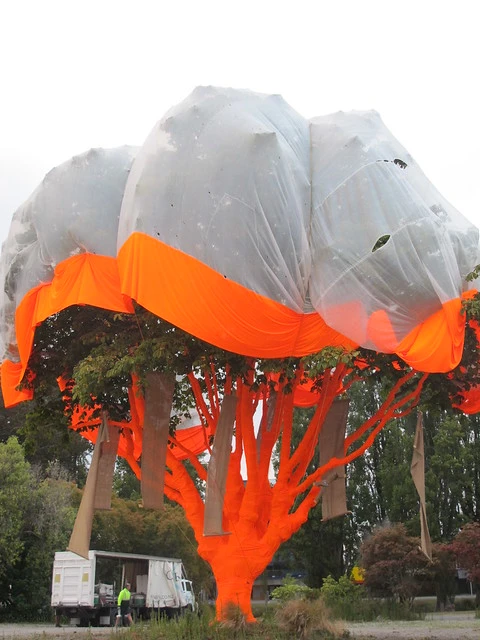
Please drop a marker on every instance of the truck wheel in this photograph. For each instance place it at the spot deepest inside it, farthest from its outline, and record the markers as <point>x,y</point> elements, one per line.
<point>84,622</point>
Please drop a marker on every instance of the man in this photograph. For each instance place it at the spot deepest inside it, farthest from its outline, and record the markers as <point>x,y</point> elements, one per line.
<point>123,603</point>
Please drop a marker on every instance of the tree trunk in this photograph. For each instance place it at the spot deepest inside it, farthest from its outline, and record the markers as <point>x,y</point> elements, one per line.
<point>236,591</point>
<point>236,561</point>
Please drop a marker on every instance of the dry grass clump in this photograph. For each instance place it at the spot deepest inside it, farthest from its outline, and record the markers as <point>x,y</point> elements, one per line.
<point>234,619</point>
<point>300,618</point>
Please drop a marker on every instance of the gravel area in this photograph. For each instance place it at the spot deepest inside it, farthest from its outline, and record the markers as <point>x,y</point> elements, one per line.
<point>437,626</point>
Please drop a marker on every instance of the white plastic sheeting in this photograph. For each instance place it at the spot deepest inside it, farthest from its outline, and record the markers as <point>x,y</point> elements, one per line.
<point>293,209</point>
<point>290,208</point>
<point>74,210</point>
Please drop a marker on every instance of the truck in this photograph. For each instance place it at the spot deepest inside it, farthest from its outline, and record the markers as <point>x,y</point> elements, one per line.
<point>85,590</point>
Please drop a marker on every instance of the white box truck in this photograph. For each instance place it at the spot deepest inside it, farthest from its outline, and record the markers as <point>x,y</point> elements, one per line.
<point>85,590</point>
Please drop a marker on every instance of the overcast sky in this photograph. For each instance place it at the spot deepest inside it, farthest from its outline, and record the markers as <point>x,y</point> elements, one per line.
<point>82,74</point>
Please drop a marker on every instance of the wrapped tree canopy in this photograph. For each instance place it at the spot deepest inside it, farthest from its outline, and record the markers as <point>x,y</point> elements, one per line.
<point>326,231</point>
<point>292,234</point>
<point>61,251</point>
<point>265,235</point>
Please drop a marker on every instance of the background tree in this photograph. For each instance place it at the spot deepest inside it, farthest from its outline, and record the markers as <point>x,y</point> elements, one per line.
<point>130,529</point>
<point>36,516</point>
<point>393,563</point>
<point>466,547</point>
<point>15,494</point>
<point>316,550</point>
<point>46,438</point>
<point>441,573</point>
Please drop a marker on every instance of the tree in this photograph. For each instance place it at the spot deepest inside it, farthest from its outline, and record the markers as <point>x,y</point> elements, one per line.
<point>317,548</point>
<point>102,351</point>
<point>46,438</point>
<point>441,574</point>
<point>48,521</point>
<point>466,547</point>
<point>36,516</point>
<point>15,493</point>
<point>393,563</point>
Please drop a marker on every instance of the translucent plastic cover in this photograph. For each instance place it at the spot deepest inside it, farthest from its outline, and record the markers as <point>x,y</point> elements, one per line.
<point>74,210</point>
<point>331,215</point>
<point>255,229</point>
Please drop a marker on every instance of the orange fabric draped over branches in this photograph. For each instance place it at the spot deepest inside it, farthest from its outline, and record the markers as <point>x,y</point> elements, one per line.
<point>260,514</point>
<point>186,442</point>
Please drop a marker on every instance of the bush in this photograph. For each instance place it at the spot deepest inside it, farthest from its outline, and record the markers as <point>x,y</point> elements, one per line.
<point>349,601</point>
<point>300,618</point>
<point>341,591</point>
<point>394,564</point>
<point>293,590</point>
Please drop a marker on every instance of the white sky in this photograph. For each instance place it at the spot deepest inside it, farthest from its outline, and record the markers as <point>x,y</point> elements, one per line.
<point>76,74</point>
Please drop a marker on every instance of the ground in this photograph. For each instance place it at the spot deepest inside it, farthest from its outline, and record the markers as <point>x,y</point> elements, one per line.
<point>438,626</point>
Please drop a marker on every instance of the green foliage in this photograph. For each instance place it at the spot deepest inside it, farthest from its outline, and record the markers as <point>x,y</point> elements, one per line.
<point>328,358</point>
<point>339,592</point>
<point>291,589</point>
<point>348,601</point>
<point>46,438</point>
<point>474,274</point>
<point>36,517</point>
<point>126,485</point>
<point>15,494</point>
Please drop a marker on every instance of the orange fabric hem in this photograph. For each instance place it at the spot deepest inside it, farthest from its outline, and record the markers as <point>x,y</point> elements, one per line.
<point>436,345</point>
<point>82,279</point>
<point>203,302</point>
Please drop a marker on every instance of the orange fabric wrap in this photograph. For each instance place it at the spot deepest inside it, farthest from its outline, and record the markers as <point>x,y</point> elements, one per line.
<point>203,302</point>
<point>436,345</point>
<point>11,376</point>
<point>82,279</point>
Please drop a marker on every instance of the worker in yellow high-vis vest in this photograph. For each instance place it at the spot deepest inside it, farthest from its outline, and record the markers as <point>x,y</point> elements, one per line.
<point>123,603</point>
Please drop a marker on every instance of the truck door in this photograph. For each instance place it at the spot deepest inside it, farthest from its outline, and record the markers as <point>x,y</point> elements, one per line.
<point>72,583</point>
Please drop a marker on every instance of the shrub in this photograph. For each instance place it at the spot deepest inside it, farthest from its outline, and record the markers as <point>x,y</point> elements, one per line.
<point>349,601</point>
<point>394,564</point>
<point>300,618</point>
<point>293,590</point>
<point>340,591</point>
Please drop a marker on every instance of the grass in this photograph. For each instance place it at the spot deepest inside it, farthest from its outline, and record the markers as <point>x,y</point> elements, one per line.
<point>297,619</point>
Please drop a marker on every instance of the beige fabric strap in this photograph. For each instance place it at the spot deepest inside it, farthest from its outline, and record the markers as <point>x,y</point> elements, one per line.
<point>331,442</point>
<point>218,468</point>
<point>82,530</point>
<point>158,407</point>
<point>106,466</point>
<point>417,470</point>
